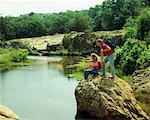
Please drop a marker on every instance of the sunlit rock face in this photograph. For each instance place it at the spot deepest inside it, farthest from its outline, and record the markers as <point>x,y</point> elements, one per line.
<point>107,99</point>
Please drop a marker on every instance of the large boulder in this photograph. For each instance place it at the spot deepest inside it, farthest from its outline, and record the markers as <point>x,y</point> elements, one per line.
<point>7,114</point>
<point>107,99</point>
<point>141,84</point>
<point>141,87</point>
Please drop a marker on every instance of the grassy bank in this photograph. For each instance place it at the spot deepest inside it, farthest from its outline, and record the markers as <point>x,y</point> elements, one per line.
<point>13,57</point>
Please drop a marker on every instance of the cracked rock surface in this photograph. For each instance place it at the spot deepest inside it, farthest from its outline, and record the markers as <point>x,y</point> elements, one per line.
<point>108,100</point>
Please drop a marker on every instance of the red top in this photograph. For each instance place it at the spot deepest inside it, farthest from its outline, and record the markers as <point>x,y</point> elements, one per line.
<point>94,64</point>
<point>104,46</point>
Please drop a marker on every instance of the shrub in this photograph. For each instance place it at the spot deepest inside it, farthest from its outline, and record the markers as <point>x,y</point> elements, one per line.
<point>130,28</point>
<point>18,55</point>
<point>133,55</point>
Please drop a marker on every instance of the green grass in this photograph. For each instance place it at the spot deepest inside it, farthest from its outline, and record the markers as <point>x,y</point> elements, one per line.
<point>78,75</point>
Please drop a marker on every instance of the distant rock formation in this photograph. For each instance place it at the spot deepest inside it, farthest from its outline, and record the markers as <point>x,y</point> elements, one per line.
<point>107,100</point>
<point>7,114</point>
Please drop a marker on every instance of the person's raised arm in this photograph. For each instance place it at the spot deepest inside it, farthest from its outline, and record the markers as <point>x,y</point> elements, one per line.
<point>106,49</point>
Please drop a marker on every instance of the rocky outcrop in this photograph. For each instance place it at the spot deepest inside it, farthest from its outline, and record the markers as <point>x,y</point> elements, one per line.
<point>141,87</point>
<point>141,84</point>
<point>107,99</point>
<point>7,114</point>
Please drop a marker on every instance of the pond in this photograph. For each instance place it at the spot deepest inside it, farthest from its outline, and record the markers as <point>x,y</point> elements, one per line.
<point>41,90</point>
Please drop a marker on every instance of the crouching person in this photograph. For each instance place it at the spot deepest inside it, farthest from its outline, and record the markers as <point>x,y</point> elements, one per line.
<point>95,64</point>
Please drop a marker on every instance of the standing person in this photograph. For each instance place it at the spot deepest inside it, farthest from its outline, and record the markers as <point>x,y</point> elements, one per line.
<point>95,64</point>
<point>109,56</point>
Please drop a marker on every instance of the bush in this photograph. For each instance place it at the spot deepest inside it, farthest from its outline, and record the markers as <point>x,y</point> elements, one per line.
<point>133,55</point>
<point>130,28</point>
<point>18,55</point>
<point>8,55</point>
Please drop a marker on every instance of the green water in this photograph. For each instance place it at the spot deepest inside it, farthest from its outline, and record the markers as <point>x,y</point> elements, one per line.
<point>40,91</point>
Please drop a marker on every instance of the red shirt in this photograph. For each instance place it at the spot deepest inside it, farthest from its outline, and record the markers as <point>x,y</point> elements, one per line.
<point>104,46</point>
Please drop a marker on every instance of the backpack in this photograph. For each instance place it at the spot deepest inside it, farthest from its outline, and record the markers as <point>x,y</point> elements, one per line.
<point>111,44</point>
<point>99,65</point>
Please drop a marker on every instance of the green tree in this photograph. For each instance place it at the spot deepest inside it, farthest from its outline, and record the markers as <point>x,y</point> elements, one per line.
<point>143,23</point>
<point>130,28</point>
<point>8,27</point>
<point>30,26</point>
<point>80,23</point>
<point>139,27</point>
<point>113,13</point>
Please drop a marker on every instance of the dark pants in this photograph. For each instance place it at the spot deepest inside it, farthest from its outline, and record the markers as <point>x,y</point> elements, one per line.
<point>89,71</point>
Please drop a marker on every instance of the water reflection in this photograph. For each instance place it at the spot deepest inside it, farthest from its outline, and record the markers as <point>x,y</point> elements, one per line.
<point>66,64</point>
